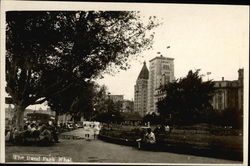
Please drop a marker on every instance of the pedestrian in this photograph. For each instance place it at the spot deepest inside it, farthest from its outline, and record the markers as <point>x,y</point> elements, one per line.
<point>157,132</point>
<point>45,135</point>
<point>7,136</point>
<point>16,136</point>
<point>167,128</point>
<point>32,127</point>
<point>25,133</point>
<point>53,132</point>
<point>29,126</point>
<point>96,131</point>
<point>142,138</point>
<point>150,136</point>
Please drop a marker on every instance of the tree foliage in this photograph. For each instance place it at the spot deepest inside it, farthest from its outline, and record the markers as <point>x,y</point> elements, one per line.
<point>186,98</point>
<point>110,112</point>
<point>76,101</point>
<point>105,109</point>
<point>232,117</point>
<point>48,51</point>
<point>153,119</point>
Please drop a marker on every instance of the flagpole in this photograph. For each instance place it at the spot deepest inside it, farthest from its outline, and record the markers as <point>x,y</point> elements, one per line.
<point>167,49</point>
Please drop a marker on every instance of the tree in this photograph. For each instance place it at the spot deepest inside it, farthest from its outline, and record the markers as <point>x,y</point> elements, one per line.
<point>153,119</point>
<point>186,98</point>
<point>76,101</point>
<point>232,117</point>
<point>48,51</point>
<point>106,110</point>
<point>100,99</point>
<point>109,112</point>
<point>82,105</point>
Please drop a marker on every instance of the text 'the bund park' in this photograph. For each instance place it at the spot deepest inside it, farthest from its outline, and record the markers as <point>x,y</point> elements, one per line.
<point>56,109</point>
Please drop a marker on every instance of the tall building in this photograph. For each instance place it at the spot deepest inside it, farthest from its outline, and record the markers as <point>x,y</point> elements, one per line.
<point>140,91</point>
<point>161,71</point>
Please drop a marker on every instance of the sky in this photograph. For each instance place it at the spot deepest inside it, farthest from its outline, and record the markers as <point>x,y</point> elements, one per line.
<point>213,38</point>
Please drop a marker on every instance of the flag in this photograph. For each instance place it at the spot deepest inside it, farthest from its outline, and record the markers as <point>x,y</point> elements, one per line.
<point>208,73</point>
<point>158,52</point>
<point>168,47</point>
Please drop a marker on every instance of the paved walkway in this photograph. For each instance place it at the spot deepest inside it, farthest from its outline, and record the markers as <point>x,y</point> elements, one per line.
<point>97,151</point>
<point>79,133</point>
<point>102,152</point>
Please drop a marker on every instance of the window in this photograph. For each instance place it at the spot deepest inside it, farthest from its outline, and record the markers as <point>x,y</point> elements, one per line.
<point>166,67</point>
<point>168,78</point>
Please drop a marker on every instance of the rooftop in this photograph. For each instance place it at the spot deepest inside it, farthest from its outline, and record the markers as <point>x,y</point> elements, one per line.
<point>144,74</point>
<point>161,57</point>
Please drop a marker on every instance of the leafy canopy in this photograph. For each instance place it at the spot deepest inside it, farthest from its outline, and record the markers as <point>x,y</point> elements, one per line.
<point>47,51</point>
<point>186,98</point>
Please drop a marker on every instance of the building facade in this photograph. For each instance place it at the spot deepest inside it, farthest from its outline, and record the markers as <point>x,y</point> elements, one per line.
<point>127,106</point>
<point>161,72</point>
<point>229,94</point>
<point>226,95</point>
<point>141,91</point>
<point>116,98</point>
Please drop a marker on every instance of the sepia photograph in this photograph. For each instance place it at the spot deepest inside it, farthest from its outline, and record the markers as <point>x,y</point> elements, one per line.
<point>124,83</point>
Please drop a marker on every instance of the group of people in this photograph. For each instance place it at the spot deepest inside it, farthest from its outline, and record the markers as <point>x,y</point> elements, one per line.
<point>35,132</point>
<point>156,136</point>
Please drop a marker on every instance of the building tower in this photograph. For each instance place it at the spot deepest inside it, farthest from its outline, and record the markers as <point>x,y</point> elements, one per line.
<point>240,88</point>
<point>161,71</point>
<point>140,91</point>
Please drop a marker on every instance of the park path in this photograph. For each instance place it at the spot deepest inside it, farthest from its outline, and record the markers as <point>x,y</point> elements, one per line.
<point>79,133</point>
<point>102,152</point>
<point>97,151</point>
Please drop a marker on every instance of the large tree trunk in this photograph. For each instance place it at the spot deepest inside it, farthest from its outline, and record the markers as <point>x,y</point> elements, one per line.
<point>18,117</point>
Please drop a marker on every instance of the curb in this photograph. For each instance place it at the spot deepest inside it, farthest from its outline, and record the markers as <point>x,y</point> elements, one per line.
<point>70,137</point>
<point>117,140</point>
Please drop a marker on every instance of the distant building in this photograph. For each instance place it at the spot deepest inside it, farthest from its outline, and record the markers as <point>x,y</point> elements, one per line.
<point>9,114</point>
<point>40,110</point>
<point>116,98</point>
<point>141,91</point>
<point>132,118</point>
<point>161,71</point>
<point>229,94</point>
<point>65,118</point>
<point>127,106</point>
